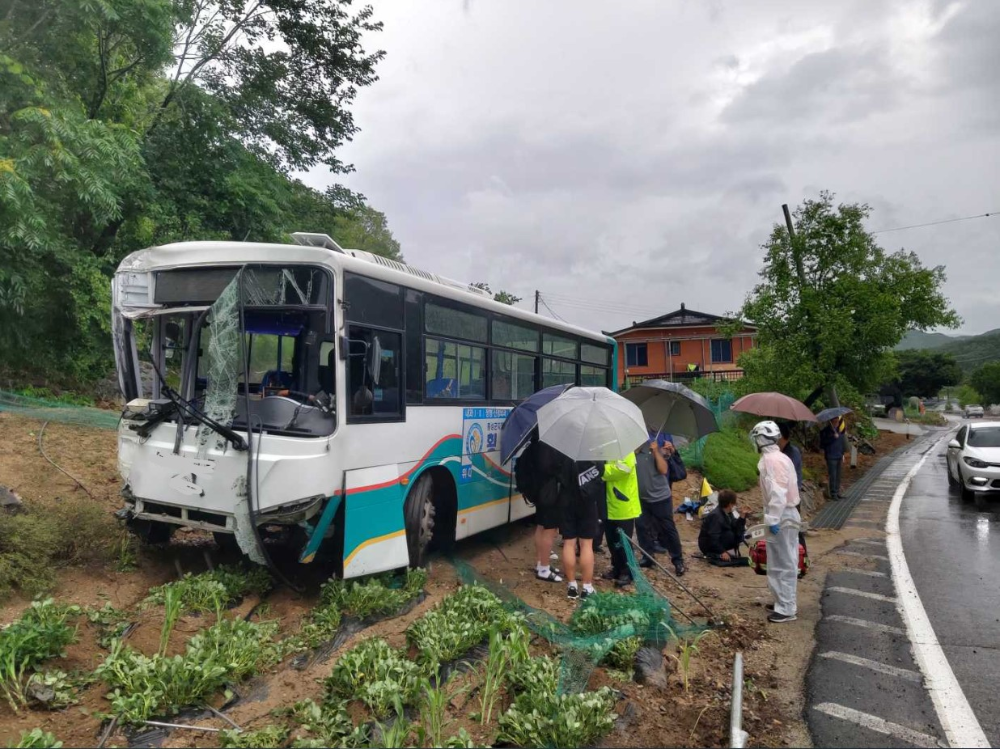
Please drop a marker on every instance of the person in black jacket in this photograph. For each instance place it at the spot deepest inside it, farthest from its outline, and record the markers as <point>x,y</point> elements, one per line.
<point>721,532</point>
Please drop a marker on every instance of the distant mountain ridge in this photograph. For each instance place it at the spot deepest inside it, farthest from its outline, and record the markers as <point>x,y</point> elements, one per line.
<point>918,339</point>
<point>969,351</point>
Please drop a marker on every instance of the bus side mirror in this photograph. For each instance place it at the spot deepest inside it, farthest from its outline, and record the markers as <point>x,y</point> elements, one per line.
<point>375,361</point>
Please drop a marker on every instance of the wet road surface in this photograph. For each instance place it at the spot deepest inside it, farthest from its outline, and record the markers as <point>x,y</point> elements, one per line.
<point>953,552</point>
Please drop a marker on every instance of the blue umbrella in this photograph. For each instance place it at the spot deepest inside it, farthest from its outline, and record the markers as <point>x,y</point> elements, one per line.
<point>831,413</point>
<point>523,420</point>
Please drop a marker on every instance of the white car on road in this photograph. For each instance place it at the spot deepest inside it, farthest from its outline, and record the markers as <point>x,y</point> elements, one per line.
<point>974,460</point>
<point>974,412</point>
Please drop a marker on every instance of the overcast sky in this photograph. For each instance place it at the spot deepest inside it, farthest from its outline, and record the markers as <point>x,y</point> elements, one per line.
<point>624,157</point>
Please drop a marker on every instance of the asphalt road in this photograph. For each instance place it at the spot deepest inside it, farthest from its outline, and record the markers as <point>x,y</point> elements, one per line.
<point>953,552</point>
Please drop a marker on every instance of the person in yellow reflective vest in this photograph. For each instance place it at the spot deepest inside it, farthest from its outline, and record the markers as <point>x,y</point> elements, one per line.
<point>622,493</point>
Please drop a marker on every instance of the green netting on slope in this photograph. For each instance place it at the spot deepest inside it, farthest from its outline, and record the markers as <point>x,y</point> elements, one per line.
<point>57,411</point>
<point>694,452</point>
<point>600,624</point>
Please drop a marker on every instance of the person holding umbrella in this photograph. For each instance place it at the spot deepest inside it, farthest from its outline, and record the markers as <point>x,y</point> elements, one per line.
<point>833,441</point>
<point>781,501</point>
<point>659,464</point>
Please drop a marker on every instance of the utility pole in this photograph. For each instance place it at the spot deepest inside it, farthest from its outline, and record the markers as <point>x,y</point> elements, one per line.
<point>796,254</point>
<point>538,297</point>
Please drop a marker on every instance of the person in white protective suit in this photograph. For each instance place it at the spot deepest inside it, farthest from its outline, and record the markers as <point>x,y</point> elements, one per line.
<point>779,486</point>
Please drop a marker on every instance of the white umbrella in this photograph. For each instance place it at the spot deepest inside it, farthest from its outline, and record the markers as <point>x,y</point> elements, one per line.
<point>592,424</point>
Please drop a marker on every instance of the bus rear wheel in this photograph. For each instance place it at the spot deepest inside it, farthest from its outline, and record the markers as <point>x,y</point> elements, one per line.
<point>418,515</point>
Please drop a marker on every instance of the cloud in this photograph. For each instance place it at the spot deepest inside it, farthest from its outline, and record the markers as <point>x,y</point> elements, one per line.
<point>625,158</point>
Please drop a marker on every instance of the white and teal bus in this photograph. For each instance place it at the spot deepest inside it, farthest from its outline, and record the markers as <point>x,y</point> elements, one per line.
<point>346,400</point>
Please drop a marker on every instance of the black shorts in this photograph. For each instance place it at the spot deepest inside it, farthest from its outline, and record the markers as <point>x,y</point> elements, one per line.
<point>579,518</point>
<point>547,513</point>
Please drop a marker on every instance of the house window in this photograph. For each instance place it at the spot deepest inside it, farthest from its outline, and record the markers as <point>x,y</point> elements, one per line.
<point>675,348</point>
<point>722,351</point>
<point>636,355</point>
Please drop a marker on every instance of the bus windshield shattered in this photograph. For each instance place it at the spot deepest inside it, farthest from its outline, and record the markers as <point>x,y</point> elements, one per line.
<point>226,349</point>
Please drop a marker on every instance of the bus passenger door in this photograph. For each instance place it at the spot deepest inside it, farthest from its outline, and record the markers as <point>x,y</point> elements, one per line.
<point>374,532</point>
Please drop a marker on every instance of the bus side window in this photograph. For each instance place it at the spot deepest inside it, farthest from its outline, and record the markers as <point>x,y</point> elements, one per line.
<point>367,398</point>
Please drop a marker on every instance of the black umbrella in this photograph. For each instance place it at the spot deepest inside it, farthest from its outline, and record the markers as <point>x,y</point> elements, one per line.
<point>671,407</point>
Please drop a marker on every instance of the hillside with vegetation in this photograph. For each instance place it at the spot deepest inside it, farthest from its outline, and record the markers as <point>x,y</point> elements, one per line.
<point>918,339</point>
<point>974,351</point>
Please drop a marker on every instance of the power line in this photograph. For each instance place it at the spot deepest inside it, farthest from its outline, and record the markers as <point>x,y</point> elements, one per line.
<point>937,223</point>
<point>546,305</point>
<point>605,306</point>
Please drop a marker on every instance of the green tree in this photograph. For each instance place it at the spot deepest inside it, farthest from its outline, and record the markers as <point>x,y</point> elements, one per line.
<point>925,373</point>
<point>364,228</point>
<point>831,303</point>
<point>986,380</point>
<point>128,123</point>
<point>504,297</point>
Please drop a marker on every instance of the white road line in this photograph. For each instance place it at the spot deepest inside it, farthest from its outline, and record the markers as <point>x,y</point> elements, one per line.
<point>866,624</point>
<point>877,724</point>
<point>861,594</point>
<point>867,573</point>
<point>882,668</point>
<point>862,554</point>
<point>953,710</point>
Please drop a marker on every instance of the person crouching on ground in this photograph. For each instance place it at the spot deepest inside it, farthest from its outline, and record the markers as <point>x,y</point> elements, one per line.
<point>581,491</point>
<point>658,464</point>
<point>781,499</point>
<point>622,482</point>
<point>722,531</point>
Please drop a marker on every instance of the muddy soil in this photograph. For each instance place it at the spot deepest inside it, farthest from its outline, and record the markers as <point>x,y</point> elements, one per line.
<point>776,657</point>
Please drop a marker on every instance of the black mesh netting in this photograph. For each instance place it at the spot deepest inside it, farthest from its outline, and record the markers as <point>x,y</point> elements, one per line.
<point>602,624</point>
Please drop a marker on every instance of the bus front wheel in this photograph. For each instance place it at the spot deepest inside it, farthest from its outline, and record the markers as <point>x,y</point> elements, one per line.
<point>418,514</point>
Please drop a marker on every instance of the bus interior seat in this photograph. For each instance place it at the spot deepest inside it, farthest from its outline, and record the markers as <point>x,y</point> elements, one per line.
<point>275,378</point>
<point>442,387</point>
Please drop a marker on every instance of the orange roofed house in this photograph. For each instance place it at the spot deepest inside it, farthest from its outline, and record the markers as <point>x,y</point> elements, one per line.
<point>681,345</point>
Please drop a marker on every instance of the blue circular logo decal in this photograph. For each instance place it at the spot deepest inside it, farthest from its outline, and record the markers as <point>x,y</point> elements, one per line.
<point>474,443</point>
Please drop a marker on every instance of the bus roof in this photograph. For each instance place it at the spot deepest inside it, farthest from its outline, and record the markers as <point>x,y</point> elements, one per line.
<point>209,253</point>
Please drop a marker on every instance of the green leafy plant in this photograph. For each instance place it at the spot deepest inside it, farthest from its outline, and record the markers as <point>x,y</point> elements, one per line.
<point>396,734</point>
<point>111,623</point>
<point>375,596</point>
<point>36,738</point>
<point>459,622</point>
<point>534,676</point>
<point>376,674</point>
<point>461,740</point>
<point>229,650</point>
<point>547,719</point>
<point>269,737</point>
<point>172,609</point>
<point>41,633</point>
<point>433,707</point>
<point>55,690</point>
<point>211,591</point>
<point>686,648</point>
<point>494,673</point>
<point>329,724</point>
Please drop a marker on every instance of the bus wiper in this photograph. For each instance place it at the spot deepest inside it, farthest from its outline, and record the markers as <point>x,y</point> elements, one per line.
<point>186,408</point>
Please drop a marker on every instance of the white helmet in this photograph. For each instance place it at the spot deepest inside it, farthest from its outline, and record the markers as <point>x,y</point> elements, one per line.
<point>765,433</point>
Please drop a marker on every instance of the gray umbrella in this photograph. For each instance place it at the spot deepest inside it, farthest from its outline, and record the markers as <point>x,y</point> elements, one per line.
<point>671,407</point>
